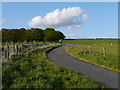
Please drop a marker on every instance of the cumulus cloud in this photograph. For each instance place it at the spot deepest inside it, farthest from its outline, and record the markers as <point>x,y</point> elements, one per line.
<point>66,18</point>
<point>76,36</point>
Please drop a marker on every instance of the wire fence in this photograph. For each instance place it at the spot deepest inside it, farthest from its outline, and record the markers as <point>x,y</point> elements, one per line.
<point>90,49</point>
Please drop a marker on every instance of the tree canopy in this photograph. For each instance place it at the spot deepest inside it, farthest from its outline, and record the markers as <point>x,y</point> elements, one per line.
<point>33,34</point>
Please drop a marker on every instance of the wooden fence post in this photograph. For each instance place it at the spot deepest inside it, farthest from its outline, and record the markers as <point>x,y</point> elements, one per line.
<point>16,48</point>
<point>12,51</point>
<point>3,54</point>
<point>89,49</point>
<point>22,46</point>
<point>8,52</point>
<point>32,46</point>
<point>104,51</point>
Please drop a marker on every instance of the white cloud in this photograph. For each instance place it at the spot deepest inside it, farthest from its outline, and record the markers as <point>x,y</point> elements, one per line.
<point>72,27</point>
<point>2,21</point>
<point>66,18</point>
<point>85,17</point>
<point>75,36</point>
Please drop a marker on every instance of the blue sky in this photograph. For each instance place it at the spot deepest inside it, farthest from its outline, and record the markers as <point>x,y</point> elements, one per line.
<point>102,17</point>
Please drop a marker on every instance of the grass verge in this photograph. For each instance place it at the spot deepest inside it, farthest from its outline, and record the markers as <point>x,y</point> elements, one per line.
<point>34,70</point>
<point>96,59</point>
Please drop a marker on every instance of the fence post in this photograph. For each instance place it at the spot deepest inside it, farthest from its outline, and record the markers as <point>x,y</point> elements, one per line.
<point>3,55</point>
<point>89,49</point>
<point>16,48</point>
<point>21,48</point>
<point>104,51</point>
<point>28,47</point>
<point>33,46</point>
<point>5,52</point>
<point>12,51</point>
<point>8,52</point>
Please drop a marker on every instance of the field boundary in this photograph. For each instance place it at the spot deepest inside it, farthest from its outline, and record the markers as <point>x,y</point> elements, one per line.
<point>10,50</point>
<point>83,59</point>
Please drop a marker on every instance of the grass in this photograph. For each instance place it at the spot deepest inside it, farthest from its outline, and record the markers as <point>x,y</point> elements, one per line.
<point>81,50</point>
<point>33,70</point>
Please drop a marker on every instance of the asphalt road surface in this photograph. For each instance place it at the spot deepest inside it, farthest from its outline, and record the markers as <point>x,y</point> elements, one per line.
<point>101,75</point>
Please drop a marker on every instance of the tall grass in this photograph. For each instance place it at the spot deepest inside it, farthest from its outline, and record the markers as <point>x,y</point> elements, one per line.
<point>33,70</point>
<point>81,50</point>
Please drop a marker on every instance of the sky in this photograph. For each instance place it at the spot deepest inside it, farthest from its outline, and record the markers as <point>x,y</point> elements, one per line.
<point>74,19</point>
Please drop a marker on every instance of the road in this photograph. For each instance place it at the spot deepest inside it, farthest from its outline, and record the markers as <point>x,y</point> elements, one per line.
<point>99,74</point>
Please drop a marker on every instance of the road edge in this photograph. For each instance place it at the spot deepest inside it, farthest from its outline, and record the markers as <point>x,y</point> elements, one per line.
<point>83,59</point>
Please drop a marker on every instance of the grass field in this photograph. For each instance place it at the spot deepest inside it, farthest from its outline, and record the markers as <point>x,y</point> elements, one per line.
<point>80,49</point>
<point>34,70</point>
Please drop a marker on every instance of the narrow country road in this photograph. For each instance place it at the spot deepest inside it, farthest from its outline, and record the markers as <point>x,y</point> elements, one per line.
<point>101,75</point>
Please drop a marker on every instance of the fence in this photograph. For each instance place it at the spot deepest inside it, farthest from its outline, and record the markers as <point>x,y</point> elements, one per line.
<point>89,49</point>
<point>104,50</point>
<point>10,50</point>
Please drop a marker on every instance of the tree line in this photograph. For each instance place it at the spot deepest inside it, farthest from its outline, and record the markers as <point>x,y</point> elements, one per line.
<point>33,34</point>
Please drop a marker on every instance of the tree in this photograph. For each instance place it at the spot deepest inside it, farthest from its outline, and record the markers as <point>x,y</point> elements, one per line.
<point>33,34</point>
<point>37,34</point>
<point>53,36</point>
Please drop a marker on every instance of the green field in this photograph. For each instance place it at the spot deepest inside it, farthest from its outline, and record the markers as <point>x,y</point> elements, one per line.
<point>80,48</point>
<point>34,70</point>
